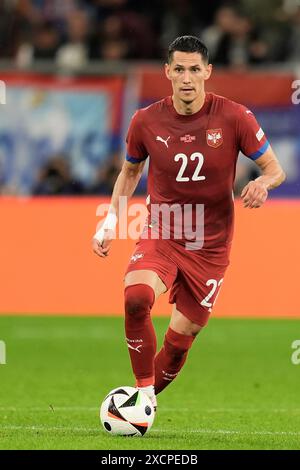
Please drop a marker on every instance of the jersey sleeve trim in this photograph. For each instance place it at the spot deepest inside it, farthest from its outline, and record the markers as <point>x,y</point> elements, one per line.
<point>134,159</point>
<point>260,151</point>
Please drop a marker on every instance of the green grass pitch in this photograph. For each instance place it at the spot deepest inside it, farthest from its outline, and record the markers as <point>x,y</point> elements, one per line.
<point>238,390</point>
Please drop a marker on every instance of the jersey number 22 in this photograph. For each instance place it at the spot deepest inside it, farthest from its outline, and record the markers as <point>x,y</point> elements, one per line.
<point>184,163</point>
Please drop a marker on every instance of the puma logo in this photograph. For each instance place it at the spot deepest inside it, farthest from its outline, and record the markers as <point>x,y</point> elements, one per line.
<point>136,348</point>
<point>160,139</point>
<point>137,256</point>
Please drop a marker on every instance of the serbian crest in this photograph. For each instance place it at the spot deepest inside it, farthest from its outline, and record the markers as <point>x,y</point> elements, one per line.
<point>214,137</point>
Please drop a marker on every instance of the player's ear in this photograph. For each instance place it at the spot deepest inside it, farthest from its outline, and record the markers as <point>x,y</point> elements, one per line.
<point>167,71</point>
<point>208,71</point>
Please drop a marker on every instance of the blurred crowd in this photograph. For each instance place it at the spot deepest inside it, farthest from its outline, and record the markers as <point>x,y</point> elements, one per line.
<point>56,178</point>
<point>72,32</point>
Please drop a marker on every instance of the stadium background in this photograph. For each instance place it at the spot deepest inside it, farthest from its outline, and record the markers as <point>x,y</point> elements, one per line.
<point>75,72</point>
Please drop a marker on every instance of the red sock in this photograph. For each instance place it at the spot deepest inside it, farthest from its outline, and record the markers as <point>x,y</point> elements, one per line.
<point>140,334</point>
<point>171,358</point>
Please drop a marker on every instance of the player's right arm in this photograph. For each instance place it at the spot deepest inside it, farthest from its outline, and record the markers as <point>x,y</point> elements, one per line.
<point>126,182</point>
<point>125,185</point>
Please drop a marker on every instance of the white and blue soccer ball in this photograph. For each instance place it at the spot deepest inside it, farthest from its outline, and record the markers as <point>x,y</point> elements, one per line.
<point>127,411</point>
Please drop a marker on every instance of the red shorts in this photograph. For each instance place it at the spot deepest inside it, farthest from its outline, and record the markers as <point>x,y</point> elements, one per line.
<point>194,277</point>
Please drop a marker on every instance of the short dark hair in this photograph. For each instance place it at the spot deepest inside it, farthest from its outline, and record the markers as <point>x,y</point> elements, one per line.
<point>188,44</point>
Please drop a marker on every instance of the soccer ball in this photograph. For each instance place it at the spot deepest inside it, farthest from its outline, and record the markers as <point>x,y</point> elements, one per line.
<point>127,411</point>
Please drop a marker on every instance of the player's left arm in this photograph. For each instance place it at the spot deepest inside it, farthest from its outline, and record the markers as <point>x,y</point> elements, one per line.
<point>255,192</point>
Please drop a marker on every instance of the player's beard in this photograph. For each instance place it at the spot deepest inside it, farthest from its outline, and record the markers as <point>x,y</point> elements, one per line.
<point>187,101</point>
<point>187,104</point>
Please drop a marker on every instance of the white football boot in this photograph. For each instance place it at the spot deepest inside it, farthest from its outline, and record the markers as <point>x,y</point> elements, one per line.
<point>149,391</point>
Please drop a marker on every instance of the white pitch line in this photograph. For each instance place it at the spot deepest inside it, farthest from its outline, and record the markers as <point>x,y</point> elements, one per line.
<point>165,431</point>
<point>46,428</point>
<point>252,410</point>
<point>225,431</point>
<point>54,408</point>
<point>48,408</point>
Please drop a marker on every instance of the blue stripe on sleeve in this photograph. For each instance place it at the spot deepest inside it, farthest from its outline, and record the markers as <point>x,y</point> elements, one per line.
<point>134,159</point>
<point>259,152</point>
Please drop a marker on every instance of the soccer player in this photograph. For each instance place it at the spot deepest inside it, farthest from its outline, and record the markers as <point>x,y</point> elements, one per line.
<point>192,140</point>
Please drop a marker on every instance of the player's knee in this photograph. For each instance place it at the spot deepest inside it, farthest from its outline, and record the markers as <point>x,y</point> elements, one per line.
<point>195,329</point>
<point>176,351</point>
<point>139,299</point>
<point>177,344</point>
<point>186,327</point>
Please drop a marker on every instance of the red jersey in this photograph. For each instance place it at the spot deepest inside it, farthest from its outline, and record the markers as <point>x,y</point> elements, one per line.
<point>192,158</point>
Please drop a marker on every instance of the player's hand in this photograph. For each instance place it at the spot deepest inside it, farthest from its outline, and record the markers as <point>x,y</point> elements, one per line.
<point>254,194</point>
<point>102,248</point>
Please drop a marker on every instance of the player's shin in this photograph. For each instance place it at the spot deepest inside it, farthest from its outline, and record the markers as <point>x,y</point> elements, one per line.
<point>171,358</point>
<point>140,334</point>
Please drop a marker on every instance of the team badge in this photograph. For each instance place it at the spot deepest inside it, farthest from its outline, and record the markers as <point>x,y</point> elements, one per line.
<point>214,137</point>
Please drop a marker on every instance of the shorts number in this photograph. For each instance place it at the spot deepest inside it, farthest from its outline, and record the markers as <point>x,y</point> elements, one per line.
<point>205,302</point>
<point>184,158</point>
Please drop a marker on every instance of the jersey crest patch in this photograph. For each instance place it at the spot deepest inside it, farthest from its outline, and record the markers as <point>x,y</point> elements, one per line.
<point>214,137</point>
